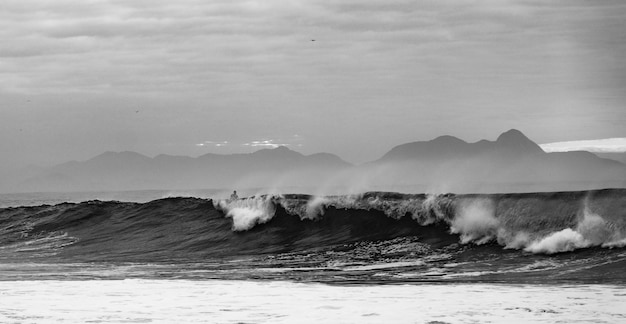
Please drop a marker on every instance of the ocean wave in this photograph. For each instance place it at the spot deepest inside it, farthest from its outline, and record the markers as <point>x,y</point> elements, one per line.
<point>193,228</point>
<point>538,223</point>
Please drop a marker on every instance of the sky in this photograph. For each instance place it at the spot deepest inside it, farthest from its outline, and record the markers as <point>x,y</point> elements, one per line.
<point>350,77</point>
<point>606,145</point>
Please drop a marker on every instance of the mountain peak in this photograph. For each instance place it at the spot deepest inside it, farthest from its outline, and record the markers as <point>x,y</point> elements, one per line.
<point>512,135</point>
<point>449,147</point>
<point>516,140</point>
<point>448,139</point>
<point>282,148</point>
<point>277,149</point>
<point>277,152</point>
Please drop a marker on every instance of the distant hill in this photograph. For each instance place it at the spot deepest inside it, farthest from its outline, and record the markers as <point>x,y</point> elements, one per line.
<point>619,157</point>
<point>509,144</point>
<point>131,171</point>
<point>511,163</point>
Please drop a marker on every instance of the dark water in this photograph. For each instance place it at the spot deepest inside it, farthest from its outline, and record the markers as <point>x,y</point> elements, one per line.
<point>562,237</point>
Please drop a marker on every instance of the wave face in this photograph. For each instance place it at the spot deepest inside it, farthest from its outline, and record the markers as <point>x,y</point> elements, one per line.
<point>562,235</point>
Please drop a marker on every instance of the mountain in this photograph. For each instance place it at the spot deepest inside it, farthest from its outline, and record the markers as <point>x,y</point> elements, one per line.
<point>619,157</point>
<point>511,143</point>
<point>132,171</point>
<point>511,163</point>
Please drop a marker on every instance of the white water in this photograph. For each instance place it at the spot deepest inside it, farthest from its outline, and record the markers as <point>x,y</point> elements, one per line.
<point>218,301</point>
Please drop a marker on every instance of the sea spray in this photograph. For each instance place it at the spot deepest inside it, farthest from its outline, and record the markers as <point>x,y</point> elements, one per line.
<point>592,230</point>
<point>315,207</point>
<point>475,221</point>
<point>247,212</point>
<point>562,241</point>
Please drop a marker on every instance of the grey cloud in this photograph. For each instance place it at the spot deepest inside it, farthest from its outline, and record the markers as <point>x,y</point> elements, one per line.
<point>413,58</point>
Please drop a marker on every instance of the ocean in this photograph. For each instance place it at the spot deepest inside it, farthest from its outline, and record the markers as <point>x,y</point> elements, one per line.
<point>375,257</point>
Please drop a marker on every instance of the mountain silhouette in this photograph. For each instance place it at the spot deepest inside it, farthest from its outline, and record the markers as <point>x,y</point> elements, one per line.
<point>620,157</point>
<point>512,143</point>
<point>131,170</point>
<point>511,163</point>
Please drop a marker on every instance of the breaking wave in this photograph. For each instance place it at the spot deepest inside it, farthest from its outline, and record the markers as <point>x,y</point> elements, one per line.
<point>538,223</point>
<point>246,213</point>
<point>192,228</point>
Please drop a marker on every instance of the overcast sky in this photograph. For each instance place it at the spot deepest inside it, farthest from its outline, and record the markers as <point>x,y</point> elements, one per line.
<point>351,77</point>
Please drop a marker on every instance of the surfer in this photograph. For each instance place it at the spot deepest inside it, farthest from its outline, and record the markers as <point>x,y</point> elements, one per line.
<point>234,196</point>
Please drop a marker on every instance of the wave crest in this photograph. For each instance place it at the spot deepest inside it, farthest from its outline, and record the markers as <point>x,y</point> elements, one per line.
<point>536,222</point>
<point>248,212</point>
<point>592,230</point>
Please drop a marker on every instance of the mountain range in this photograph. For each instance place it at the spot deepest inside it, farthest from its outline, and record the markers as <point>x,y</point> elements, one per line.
<point>132,171</point>
<point>511,163</point>
<point>510,144</point>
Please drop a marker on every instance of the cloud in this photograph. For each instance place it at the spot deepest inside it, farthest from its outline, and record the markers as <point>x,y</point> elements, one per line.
<point>141,46</point>
<point>265,143</point>
<point>606,145</point>
<point>213,143</point>
<point>294,140</point>
<point>235,68</point>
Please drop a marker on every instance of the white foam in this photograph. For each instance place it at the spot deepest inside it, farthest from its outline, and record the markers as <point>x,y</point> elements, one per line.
<point>475,221</point>
<point>246,213</point>
<point>231,301</point>
<point>315,207</point>
<point>592,230</point>
<point>517,240</point>
<point>615,244</point>
<point>563,241</point>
